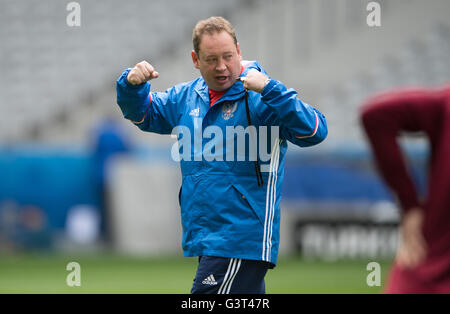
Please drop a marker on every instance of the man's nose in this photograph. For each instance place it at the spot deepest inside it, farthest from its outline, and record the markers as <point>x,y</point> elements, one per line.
<point>221,66</point>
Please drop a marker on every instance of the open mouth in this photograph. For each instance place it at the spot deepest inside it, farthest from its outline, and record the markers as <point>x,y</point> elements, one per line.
<point>222,78</point>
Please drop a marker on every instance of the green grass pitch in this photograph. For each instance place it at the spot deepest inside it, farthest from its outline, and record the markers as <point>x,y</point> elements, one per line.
<point>119,274</point>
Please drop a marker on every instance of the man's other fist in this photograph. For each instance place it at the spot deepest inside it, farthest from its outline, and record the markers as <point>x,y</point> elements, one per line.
<point>255,80</point>
<point>141,73</point>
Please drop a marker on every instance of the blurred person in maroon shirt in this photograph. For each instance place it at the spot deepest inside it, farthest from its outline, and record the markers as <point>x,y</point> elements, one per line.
<point>422,262</point>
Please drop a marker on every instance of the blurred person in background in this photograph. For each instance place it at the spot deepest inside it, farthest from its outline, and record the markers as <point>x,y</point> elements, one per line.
<point>422,262</point>
<point>108,140</point>
<point>230,209</point>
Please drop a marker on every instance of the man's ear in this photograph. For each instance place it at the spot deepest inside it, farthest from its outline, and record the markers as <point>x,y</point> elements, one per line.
<point>195,59</point>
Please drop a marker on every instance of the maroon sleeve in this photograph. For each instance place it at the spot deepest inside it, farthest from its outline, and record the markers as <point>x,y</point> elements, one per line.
<point>383,117</point>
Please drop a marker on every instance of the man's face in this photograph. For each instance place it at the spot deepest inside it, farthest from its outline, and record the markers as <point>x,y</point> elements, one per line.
<point>219,60</point>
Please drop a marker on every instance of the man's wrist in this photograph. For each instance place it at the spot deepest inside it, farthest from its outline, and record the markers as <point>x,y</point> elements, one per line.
<point>268,84</point>
<point>265,83</point>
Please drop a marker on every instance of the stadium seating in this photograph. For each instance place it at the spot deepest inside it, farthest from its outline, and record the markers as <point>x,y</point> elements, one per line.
<point>49,67</point>
<point>58,81</point>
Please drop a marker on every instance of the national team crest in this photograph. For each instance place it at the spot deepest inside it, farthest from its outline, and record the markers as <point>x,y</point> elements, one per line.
<point>228,110</point>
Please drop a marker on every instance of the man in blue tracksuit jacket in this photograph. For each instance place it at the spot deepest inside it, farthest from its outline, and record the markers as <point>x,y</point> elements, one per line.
<point>233,124</point>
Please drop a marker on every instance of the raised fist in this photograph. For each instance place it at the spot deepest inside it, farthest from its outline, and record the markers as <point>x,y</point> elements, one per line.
<point>255,80</point>
<point>141,73</point>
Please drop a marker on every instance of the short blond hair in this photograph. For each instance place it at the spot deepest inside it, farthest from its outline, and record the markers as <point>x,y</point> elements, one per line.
<point>214,24</point>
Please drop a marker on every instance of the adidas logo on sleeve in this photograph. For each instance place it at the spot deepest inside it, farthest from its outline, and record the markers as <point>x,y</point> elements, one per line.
<point>210,280</point>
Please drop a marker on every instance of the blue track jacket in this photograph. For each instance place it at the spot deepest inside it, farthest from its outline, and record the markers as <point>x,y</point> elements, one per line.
<point>224,212</point>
